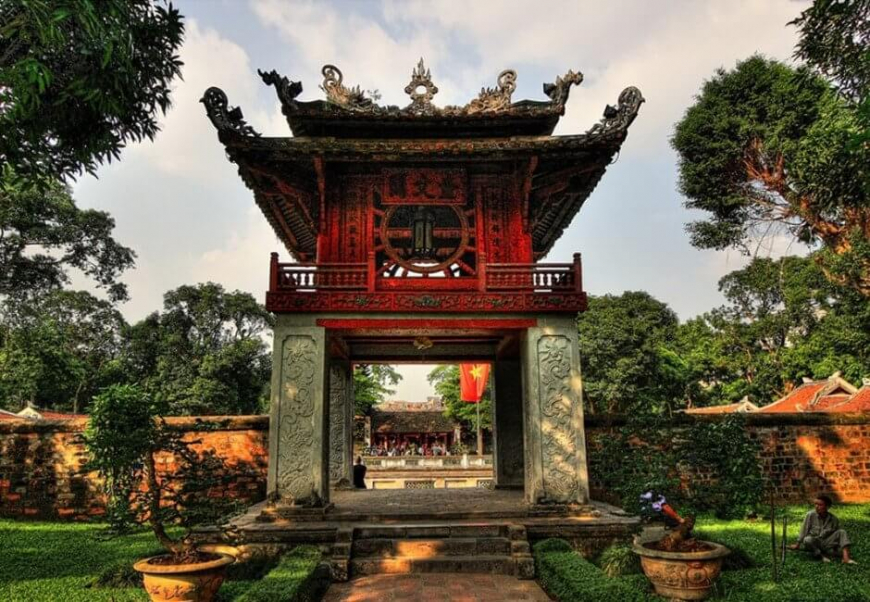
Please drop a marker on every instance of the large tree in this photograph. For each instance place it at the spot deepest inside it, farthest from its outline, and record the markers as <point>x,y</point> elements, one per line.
<point>372,384</point>
<point>626,343</point>
<point>782,321</point>
<point>80,79</point>
<point>768,150</point>
<point>204,353</point>
<point>445,379</point>
<point>835,42</point>
<point>44,235</point>
<point>58,350</point>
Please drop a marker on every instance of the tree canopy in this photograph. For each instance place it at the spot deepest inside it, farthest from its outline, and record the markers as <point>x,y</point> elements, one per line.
<point>80,79</point>
<point>43,235</point>
<point>835,42</point>
<point>371,386</point>
<point>783,320</point>
<point>204,353</point>
<point>58,350</point>
<point>445,379</point>
<point>625,346</point>
<point>767,150</point>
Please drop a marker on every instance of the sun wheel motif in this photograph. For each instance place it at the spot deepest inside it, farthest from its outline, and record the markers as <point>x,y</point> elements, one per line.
<point>425,241</point>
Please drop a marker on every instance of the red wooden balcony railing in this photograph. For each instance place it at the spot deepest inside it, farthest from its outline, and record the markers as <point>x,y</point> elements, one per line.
<point>492,277</point>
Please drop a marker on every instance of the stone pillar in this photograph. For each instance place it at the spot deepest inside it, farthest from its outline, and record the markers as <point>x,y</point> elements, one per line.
<point>298,418</point>
<point>508,428</point>
<point>555,446</point>
<point>341,403</point>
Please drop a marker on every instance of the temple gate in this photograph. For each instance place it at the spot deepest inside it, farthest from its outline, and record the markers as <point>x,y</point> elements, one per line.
<point>417,235</point>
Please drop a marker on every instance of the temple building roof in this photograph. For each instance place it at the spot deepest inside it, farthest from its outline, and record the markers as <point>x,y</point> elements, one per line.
<point>352,113</point>
<point>350,130</point>
<point>411,422</point>
<point>814,396</point>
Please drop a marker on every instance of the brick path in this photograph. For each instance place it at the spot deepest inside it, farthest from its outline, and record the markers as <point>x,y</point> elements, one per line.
<point>446,587</point>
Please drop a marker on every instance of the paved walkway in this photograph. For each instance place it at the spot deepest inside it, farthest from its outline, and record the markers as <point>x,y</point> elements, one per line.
<point>446,587</point>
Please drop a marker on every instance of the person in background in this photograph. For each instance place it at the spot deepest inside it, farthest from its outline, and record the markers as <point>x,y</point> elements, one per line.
<point>821,534</point>
<point>359,474</point>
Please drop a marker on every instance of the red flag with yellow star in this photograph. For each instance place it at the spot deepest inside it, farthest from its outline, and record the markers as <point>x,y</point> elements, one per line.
<point>472,381</point>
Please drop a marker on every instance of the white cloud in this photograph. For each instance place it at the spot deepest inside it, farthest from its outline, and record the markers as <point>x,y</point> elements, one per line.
<point>240,260</point>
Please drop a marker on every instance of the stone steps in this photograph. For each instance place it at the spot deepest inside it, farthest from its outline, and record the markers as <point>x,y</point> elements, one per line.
<point>500,565</point>
<point>429,548</point>
<point>494,548</point>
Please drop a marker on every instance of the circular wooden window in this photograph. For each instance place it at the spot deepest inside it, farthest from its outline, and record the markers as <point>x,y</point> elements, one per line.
<point>450,237</point>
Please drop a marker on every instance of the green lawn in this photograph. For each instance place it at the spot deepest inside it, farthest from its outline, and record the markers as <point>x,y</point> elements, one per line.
<point>57,561</point>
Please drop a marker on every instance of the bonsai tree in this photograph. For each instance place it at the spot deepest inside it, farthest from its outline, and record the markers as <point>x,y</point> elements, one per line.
<point>125,436</point>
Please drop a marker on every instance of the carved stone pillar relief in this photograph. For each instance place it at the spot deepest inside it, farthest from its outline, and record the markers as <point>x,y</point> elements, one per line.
<point>297,458</point>
<point>555,444</point>
<point>340,424</point>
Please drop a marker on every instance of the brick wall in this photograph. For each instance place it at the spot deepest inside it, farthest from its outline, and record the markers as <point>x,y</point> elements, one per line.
<point>801,455</point>
<point>41,462</point>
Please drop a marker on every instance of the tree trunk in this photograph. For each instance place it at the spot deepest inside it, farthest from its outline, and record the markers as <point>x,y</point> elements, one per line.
<point>176,548</point>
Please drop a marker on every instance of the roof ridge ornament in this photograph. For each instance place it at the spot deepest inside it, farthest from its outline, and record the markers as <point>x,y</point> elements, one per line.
<point>495,99</point>
<point>559,90</point>
<point>421,100</point>
<point>353,99</point>
<point>223,116</point>
<point>287,90</point>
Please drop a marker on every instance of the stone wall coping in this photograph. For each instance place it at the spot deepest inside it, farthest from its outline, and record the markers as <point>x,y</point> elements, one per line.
<point>181,423</point>
<point>261,422</point>
<point>750,419</point>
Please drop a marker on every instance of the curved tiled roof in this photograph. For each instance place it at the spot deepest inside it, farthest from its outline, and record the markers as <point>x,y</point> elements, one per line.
<point>411,422</point>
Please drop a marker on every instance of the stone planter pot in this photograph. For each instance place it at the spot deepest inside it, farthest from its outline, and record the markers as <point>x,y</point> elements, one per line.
<point>682,575</point>
<point>183,582</point>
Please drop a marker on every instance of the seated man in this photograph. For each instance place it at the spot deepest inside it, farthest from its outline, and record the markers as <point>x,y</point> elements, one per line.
<point>359,474</point>
<point>821,533</point>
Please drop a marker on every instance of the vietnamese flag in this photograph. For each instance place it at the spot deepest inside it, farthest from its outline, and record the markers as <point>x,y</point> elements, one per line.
<point>472,381</point>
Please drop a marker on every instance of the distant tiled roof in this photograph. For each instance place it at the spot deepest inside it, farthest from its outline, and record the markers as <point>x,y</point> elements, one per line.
<point>433,404</point>
<point>4,415</point>
<point>814,396</point>
<point>740,407</point>
<point>859,402</point>
<point>34,413</point>
<point>411,422</point>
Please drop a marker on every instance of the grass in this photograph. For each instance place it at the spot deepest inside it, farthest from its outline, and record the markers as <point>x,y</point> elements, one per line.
<point>802,580</point>
<point>58,561</point>
<point>46,562</point>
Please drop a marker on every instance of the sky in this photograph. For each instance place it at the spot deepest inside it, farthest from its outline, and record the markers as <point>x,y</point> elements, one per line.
<point>181,206</point>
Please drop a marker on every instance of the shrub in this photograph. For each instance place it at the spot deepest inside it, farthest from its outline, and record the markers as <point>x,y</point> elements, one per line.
<point>566,576</point>
<point>299,577</point>
<point>125,433</point>
<point>619,560</point>
<point>651,454</point>
<point>553,545</point>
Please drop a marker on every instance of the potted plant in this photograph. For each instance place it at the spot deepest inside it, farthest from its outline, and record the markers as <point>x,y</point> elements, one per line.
<point>125,436</point>
<point>679,566</point>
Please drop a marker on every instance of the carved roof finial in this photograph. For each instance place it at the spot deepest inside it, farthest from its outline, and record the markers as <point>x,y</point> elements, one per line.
<point>421,100</point>
<point>336,92</point>
<point>495,99</point>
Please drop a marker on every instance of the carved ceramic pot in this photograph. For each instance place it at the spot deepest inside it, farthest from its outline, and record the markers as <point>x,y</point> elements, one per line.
<point>197,582</point>
<point>682,575</point>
